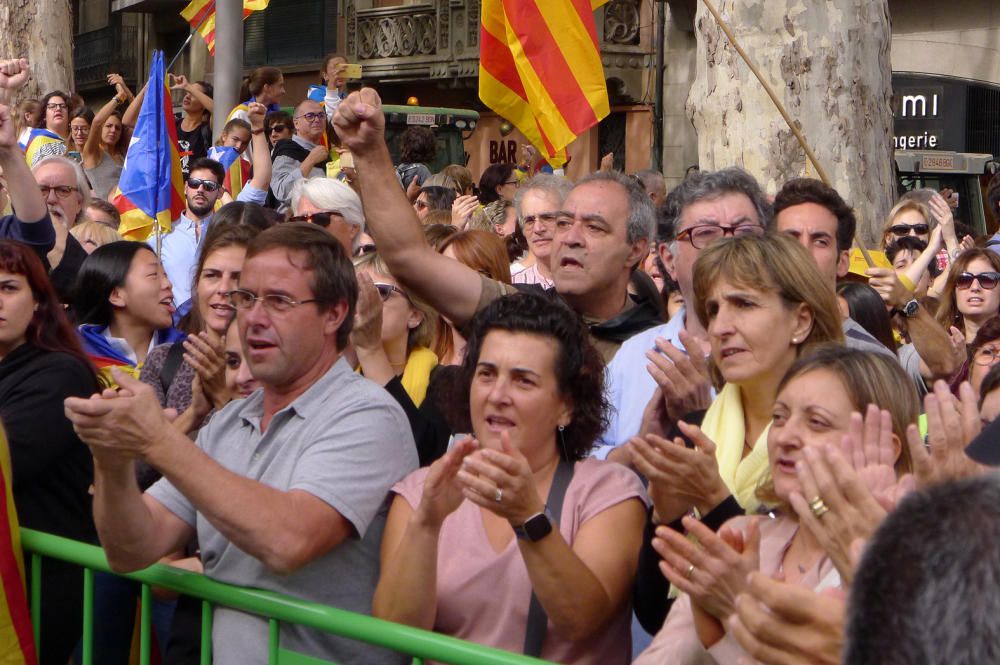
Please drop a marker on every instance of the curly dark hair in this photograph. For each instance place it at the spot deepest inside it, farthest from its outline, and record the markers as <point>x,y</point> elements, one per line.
<point>579,368</point>
<point>417,145</point>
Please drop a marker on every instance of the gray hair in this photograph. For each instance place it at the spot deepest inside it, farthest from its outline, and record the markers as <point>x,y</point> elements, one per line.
<point>82,184</point>
<point>702,185</point>
<point>443,180</point>
<point>641,216</point>
<point>925,590</point>
<point>330,194</point>
<point>554,185</point>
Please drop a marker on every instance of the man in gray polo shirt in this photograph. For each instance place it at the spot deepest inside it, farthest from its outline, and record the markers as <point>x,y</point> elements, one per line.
<point>285,489</point>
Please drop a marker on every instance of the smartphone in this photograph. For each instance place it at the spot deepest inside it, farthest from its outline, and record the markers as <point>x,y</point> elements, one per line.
<point>351,71</point>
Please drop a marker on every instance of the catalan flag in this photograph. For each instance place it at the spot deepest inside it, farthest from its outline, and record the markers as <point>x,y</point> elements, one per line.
<point>540,69</point>
<point>237,170</point>
<point>17,645</point>
<point>42,143</point>
<point>201,15</point>
<point>151,187</point>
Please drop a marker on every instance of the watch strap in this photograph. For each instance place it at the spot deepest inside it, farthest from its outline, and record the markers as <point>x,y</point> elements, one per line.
<point>534,634</point>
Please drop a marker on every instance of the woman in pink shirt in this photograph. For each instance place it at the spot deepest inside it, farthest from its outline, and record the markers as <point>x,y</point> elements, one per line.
<point>818,404</point>
<point>473,538</point>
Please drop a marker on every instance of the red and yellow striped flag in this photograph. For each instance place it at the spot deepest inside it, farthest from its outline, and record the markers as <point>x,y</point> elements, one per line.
<point>540,69</point>
<point>17,644</point>
<point>201,15</point>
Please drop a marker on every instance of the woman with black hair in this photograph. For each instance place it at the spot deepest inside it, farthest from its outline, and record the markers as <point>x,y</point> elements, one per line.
<point>124,304</point>
<point>866,306</point>
<point>498,182</point>
<point>521,502</point>
<point>41,364</point>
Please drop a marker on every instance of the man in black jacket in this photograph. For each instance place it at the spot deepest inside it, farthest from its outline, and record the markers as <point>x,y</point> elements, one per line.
<point>302,156</point>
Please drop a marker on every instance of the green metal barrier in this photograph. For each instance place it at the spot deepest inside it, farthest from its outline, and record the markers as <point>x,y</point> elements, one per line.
<point>278,609</point>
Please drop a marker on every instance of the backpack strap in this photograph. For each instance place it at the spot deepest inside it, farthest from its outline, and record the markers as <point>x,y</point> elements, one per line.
<point>172,363</point>
<point>538,620</point>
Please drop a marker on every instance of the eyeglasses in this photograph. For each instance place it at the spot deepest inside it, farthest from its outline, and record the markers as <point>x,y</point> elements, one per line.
<point>701,235</point>
<point>365,249</point>
<point>385,290</point>
<point>272,302</point>
<point>62,191</point>
<point>279,128</point>
<point>512,182</point>
<point>987,280</point>
<point>906,229</point>
<point>312,116</point>
<point>56,107</point>
<point>986,356</point>
<point>209,185</point>
<point>321,218</point>
<point>546,218</point>
<point>82,129</point>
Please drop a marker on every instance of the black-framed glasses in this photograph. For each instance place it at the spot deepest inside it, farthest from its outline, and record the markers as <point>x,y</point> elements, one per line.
<point>513,182</point>
<point>312,116</point>
<point>386,290</point>
<point>272,302</point>
<point>321,218</point>
<point>62,191</point>
<point>367,248</point>
<point>54,106</point>
<point>987,280</point>
<point>208,185</point>
<point>901,230</point>
<point>701,235</point>
<point>80,129</point>
<point>985,356</point>
<point>546,218</point>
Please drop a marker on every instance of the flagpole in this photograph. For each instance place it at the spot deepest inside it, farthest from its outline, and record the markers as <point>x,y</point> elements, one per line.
<point>190,35</point>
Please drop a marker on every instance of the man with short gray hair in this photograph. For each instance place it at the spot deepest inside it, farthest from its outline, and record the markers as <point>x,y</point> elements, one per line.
<point>302,156</point>
<point>537,204</point>
<point>67,193</point>
<point>331,204</point>
<point>602,231</point>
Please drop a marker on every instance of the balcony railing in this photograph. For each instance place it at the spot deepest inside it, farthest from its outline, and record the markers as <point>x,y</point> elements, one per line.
<point>100,52</point>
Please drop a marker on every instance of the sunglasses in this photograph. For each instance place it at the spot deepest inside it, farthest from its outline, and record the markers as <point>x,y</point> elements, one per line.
<point>279,128</point>
<point>318,218</point>
<point>208,185</point>
<point>987,280</point>
<point>906,229</point>
<point>385,290</point>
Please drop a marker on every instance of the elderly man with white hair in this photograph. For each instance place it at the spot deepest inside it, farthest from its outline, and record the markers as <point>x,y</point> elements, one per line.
<point>331,204</point>
<point>66,191</point>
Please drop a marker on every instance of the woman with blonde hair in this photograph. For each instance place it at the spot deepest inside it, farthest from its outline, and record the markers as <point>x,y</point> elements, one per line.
<point>819,406</point>
<point>92,235</point>
<point>764,303</point>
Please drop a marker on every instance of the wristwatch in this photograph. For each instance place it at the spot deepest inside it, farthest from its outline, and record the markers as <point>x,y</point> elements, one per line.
<point>535,527</point>
<point>910,309</point>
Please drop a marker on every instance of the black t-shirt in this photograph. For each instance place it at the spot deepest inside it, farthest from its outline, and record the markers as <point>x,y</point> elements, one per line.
<point>193,144</point>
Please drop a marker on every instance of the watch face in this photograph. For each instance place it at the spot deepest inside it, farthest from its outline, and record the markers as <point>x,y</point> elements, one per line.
<point>911,308</point>
<point>538,527</point>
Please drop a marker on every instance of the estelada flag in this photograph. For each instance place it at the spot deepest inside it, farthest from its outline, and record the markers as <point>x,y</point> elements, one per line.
<point>201,15</point>
<point>42,143</point>
<point>17,645</point>
<point>151,187</point>
<point>540,68</point>
<point>237,170</point>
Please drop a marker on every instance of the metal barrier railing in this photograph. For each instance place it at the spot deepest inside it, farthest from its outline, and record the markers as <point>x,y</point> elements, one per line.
<point>276,608</point>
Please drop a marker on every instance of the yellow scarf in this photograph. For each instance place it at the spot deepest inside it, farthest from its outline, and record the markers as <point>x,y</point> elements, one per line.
<point>417,373</point>
<point>724,424</point>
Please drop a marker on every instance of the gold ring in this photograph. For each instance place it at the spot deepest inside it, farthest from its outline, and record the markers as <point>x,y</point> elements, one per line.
<point>818,507</point>
<point>690,571</point>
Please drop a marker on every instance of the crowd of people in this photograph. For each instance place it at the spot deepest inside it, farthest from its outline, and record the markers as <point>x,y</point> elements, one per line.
<point>591,421</point>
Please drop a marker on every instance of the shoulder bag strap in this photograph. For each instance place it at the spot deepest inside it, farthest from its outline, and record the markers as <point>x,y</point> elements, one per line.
<point>170,366</point>
<point>538,620</point>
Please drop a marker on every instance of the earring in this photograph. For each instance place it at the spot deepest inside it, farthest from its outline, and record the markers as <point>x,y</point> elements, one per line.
<point>795,340</point>
<point>562,427</point>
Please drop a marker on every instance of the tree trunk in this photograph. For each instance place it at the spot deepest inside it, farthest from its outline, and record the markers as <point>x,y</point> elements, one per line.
<point>828,62</point>
<point>42,31</point>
